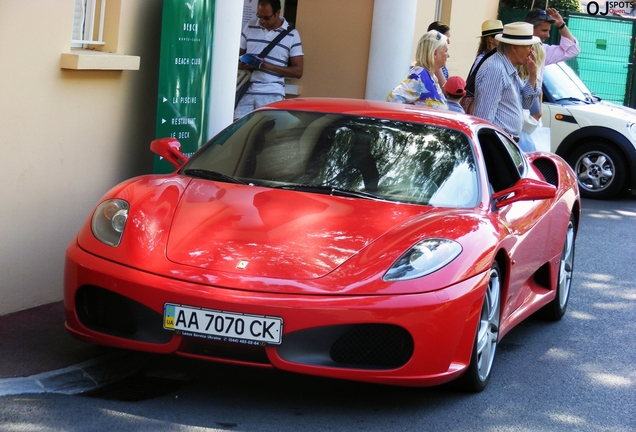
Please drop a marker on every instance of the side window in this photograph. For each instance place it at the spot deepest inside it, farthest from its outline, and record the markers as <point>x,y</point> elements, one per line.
<point>515,154</point>
<point>502,168</point>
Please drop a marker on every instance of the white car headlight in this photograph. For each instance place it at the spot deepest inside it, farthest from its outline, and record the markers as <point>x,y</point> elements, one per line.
<point>109,221</point>
<point>423,258</point>
<point>631,127</point>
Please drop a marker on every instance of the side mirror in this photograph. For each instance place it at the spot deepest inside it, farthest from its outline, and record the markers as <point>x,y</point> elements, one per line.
<point>524,190</point>
<point>170,150</point>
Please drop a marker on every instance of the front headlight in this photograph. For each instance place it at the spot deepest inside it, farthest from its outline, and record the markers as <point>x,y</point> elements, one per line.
<point>631,127</point>
<point>424,258</point>
<point>109,221</point>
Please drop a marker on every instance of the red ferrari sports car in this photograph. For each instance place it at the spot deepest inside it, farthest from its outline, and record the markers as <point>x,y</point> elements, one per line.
<point>349,239</point>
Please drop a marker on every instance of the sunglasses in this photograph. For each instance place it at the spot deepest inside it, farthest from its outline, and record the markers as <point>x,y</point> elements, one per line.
<point>266,18</point>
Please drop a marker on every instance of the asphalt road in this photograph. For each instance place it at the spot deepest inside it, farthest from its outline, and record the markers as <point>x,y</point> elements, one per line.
<point>575,375</point>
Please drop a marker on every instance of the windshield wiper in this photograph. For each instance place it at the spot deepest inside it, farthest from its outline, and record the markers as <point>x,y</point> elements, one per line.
<point>573,99</point>
<point>212,175</point>
<point>332,191</point>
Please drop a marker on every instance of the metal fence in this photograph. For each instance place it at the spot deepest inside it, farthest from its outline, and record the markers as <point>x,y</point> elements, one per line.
<point>607,52</point>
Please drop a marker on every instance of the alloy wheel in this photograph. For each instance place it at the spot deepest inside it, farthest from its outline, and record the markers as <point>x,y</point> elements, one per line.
<point>566,267</point>
<point>488,332</point>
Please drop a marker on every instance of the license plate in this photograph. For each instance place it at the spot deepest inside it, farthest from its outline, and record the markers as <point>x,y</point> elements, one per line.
<point>222,325</point>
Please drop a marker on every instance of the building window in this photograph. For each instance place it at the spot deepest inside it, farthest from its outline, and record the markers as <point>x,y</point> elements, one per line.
<point>95,38</point>
<point>88,23</point>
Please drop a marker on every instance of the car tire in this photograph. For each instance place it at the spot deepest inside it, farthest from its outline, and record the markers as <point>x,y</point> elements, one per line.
<point>555,310</point>
<point>599,168</point>
<point>477,375</point>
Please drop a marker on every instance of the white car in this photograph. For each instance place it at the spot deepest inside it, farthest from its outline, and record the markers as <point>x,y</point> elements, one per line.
<point>597,138</point>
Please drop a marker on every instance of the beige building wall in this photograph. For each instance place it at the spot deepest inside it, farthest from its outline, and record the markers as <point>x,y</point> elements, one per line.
<point>425,16</point>
<point>67,136</point>
<point>464,17</point>
<point>336,36</point>
<point>465,21</point>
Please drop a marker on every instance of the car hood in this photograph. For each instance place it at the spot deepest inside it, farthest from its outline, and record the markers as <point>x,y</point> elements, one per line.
<point>593,114</point>
<point>276,233</point>
<point>627,113</point>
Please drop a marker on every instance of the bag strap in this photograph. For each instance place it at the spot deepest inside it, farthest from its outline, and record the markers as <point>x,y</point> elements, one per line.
<point>470,81</point>
<point>277,39</point>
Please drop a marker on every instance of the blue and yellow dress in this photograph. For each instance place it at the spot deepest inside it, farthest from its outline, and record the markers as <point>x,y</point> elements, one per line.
<point>419,88</point>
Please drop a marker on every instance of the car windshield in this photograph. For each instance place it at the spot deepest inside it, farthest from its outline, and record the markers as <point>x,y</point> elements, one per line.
<point>560,82</point>
<point>344,155</point>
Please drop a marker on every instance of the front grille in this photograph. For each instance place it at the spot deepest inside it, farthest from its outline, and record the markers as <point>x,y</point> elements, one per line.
<point>370,345</point>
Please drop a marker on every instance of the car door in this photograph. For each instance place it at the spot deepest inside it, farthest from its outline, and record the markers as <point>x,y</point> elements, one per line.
<point>523,227</point>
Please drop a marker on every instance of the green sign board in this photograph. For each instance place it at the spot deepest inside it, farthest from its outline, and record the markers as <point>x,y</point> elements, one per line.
<point>184,75</point>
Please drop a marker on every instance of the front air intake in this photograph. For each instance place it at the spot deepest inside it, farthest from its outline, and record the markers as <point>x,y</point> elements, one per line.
<point>373,345</point>
<point>110,313</point>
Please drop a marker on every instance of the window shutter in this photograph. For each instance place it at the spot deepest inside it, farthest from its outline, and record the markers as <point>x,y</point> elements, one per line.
<point>84,23</point>
<point>79,17</point>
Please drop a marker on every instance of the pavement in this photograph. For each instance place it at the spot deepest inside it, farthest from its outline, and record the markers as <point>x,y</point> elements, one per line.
<point>40,356</point>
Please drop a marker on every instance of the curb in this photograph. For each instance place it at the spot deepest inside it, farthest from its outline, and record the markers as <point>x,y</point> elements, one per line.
<point>76,379</point>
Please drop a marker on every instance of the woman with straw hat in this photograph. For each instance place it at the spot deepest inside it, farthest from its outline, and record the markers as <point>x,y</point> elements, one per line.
<point>487,41</point>
<point>487,47</point>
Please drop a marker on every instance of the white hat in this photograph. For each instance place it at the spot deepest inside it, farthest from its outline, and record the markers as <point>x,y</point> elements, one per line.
<point>491,28</point>
<point>518,33</point>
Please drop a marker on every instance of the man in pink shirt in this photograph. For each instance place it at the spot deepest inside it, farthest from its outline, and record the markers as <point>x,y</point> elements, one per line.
<point>568,47</point>
<point>542,21</point>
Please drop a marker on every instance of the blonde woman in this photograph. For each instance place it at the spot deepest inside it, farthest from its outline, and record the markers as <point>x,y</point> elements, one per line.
<point>421,86</point>
<point>535,109</point>
<point>442,74</point>
<point>527,136</point>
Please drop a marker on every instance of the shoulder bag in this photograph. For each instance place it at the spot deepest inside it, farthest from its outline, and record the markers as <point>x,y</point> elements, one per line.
<point>468,101</point>
<point>243,76</point>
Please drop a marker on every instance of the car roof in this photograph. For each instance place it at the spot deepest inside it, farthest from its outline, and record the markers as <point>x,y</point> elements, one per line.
<point>386,110</point>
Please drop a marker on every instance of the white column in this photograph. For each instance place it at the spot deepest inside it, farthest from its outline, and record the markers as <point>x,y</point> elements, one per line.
<point>391,45</point>
<point>228,15</point>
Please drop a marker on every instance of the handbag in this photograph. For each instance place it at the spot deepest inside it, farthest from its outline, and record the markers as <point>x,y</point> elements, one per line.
<point>243,77</point>
<point>539,140</point>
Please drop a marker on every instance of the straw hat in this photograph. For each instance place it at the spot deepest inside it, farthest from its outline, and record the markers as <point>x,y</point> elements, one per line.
<point>518,33</point>
<point>491,28</point>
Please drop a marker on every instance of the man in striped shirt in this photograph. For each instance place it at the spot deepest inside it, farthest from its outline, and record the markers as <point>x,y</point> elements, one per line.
<point>500,95</point>
<point>284,60</point>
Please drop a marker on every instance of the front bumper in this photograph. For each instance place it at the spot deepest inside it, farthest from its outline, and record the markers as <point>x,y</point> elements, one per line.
<point>416,340</point>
